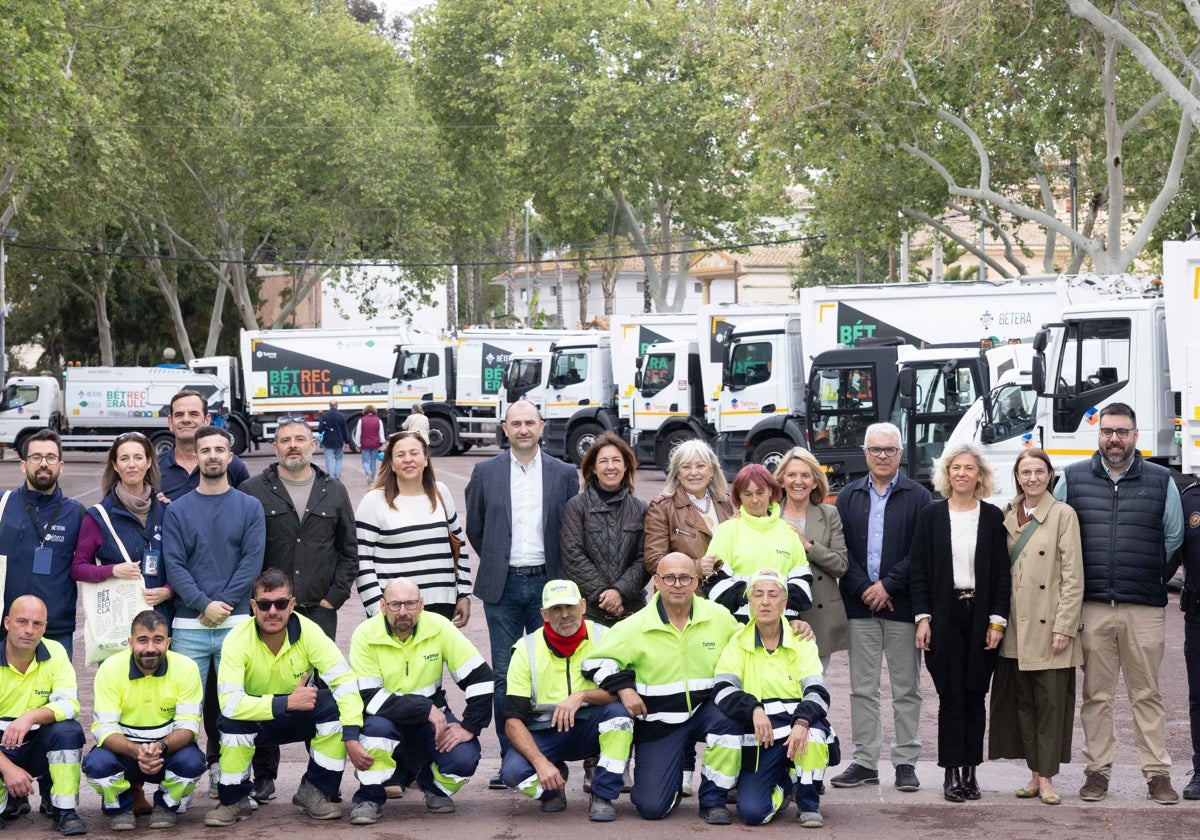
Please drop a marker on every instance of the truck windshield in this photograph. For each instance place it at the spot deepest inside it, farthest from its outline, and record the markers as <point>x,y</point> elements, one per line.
<point>843,404</point>
<point>658,373</point>
<point>749,364</point>
<point>568,369</point>
<point>524,374</point>
<point>943,394</point>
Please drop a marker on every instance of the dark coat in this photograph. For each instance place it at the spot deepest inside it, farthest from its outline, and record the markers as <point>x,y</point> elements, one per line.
<point>320,553</point>
<point>931,578</point>
<point>906,501</point>
<point>489,518</point>
<point>601,547</point>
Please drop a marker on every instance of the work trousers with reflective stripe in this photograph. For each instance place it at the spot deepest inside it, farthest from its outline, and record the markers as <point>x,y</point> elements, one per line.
<point>659,763</point>
<point>111,774</point>
<point>321,727</point>
<point>55,750</point>
<point>440,773</point>
<point>607,730</point>
<point>768,776</point>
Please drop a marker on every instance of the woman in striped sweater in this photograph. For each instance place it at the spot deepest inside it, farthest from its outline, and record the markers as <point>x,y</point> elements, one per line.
<point>404,526</point>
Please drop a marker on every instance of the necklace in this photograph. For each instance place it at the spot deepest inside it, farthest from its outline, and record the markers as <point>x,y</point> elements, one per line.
<point>707,503</point>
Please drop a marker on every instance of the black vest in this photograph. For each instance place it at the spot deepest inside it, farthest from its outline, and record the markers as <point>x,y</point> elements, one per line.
<point>1122,529</point>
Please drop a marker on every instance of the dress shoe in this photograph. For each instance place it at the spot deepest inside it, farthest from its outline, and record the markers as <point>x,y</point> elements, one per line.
<point>952,787</point>
<point>970,785</point>
<point>855,775</point>
<point>1192,790</point>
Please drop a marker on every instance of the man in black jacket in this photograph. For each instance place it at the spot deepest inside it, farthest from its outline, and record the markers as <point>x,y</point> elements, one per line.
<point>1130,522</point>
<point>311,538</point>
<point>879,514</point>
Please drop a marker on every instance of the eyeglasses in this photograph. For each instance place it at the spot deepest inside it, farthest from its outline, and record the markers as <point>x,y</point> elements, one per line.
<point>878,451</point>
<point>265,604</point>
<point>37,458</point>
<point>1033,473</point>
<point>396,606</point>
<point>1121,434</point>
<point>128,435</point>
<point>677,580</point>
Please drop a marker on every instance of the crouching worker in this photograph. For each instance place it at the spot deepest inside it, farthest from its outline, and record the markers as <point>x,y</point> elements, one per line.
<point>770,680</point>
<point>555,714</point>
<point>145,720</point>
<point>263,682</point>
<point>399,656</point>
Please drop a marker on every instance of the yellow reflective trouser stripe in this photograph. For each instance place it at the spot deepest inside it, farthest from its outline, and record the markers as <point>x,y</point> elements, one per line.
<point>812,763</point>
<point>384,765</point>
<point>448,784</point>
<point>64,777</point>
<point>109,788</point>
<point>616,740</point>
<point>722,759</point>
<point>176,788</point>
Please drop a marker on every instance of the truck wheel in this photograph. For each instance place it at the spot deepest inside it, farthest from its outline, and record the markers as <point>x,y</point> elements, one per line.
<point>670,442</point>
<point>581,440</point>
<point>441,437</point>
<point>241,438</point>
<point>770,452</point>
<point>162,442</point>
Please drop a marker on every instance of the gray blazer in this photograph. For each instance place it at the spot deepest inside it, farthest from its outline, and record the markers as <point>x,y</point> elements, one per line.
<point>489,518</point>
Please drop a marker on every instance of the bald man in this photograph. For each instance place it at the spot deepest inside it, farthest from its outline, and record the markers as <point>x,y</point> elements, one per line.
<point>398,656</point>
<point>39,707</point>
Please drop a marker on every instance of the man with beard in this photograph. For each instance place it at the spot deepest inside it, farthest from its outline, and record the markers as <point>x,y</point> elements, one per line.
<point>145,719</point>
<point>1131,522</point>
<point>178,468</point>
<point>39,704</point>
<point>398,656</point>
<point>38,530</point>
<point>266,669</point>
<point>311,538</point>
<point>213,542</point>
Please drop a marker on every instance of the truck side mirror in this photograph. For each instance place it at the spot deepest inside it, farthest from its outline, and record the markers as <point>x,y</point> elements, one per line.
<point>1038,374</point>
<point>906,382</point>
<point>1041,341</point>
<point>987,434</point>
<point>637,379</point>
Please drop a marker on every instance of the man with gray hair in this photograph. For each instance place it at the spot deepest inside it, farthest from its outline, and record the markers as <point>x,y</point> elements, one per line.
<point>879,513</point>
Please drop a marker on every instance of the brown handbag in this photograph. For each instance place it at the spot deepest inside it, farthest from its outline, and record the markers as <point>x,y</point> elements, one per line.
<point>454,539</point>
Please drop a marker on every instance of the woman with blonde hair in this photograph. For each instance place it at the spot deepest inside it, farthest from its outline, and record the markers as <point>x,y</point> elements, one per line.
<point>805,488</point>
<point>405,523</point>
<point>694,501</point>
<point>960,584</point>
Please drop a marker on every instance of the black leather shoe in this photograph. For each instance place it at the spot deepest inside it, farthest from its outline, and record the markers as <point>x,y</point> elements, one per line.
<point>496,783</point>
<point>970,786</point>
<point>1192,791</point>
<point>716,815</point>
<point>906,778</point>
<point>264,791</point>
<point>952,787</point>
<point>18,806</point>
<point>855,775</point>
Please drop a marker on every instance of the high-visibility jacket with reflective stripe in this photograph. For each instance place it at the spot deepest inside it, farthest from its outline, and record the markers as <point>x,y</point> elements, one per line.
<point>254,684</point>
<point>143,707</point>
<point>671,669</point>
<point>553,680</point>
<point>786,682</point>
<point>48,681</point>
<point>400,680</point>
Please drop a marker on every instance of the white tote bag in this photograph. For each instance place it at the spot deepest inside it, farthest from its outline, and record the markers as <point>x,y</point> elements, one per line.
<point>109,607</point>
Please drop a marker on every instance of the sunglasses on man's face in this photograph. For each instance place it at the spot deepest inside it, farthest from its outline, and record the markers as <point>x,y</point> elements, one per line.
<point>265,604</point>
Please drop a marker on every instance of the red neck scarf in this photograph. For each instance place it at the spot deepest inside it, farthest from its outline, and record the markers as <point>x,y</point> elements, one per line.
<point>564,646</point>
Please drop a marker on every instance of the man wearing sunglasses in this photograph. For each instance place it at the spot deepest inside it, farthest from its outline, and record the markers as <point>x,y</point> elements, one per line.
<point>267,697</point>
<point>1130,522</point>
<point>675,709</point>
<point>399,655</point>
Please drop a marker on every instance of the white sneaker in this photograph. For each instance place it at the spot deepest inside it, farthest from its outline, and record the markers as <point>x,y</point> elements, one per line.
<point>686,787</point>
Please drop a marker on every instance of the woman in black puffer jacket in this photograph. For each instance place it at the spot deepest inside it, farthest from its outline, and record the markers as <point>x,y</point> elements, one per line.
<point>603,533</point>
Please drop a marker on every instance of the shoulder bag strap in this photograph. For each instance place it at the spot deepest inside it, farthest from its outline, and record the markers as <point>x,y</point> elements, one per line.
<point>1022,540</point>
<point>103,514</point>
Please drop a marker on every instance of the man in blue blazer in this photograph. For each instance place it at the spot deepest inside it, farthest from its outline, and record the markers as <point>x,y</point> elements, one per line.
<point>515,503</point>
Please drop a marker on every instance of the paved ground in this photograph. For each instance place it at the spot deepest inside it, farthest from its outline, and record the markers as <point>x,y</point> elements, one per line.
<point>857,813</point>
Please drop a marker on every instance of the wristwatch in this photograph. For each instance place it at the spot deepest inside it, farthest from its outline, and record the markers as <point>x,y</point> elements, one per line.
<point>162,745</point>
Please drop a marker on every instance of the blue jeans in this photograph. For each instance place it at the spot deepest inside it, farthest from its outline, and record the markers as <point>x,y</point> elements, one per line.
<point>333,461</point>
<point>370,457</point>
<point>201,646</point>
<point>516,613</point>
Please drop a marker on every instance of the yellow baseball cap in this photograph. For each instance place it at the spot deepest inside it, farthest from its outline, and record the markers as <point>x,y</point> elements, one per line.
<point>557,592</point>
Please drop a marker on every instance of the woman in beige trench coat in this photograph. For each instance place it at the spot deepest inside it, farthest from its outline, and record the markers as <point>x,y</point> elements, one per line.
<point>1033,691</point>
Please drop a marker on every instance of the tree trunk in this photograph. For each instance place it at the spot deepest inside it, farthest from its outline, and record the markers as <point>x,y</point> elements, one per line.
<point>535,297</point>
<point>681,271</point>
<point>610,270</point>
<point>451,300</point>
<point>640,244</point>
<point>558,295</point>
<point>215,321</point>
<point>585,290</point>
<point>510,273</point>
<point>168,284</point>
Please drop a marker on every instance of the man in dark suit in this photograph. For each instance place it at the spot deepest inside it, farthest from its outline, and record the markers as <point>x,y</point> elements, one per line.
<point>514,514</point>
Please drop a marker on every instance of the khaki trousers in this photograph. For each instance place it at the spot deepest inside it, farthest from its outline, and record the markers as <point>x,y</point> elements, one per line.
<point>871,639</point>
<point>1128,639</point>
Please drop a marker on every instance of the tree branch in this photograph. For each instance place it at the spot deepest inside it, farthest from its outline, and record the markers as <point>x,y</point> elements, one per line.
<point>966,244</point>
